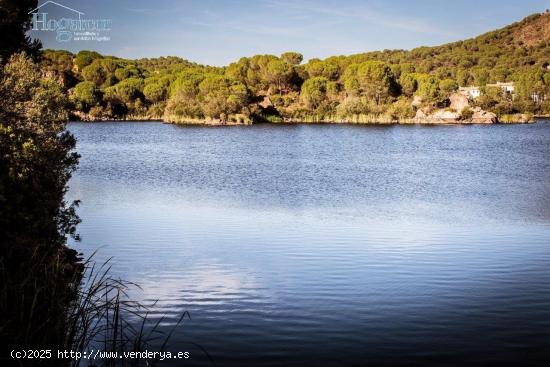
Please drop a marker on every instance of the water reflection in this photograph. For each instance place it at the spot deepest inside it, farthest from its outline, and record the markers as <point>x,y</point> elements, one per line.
<point>318,245</point>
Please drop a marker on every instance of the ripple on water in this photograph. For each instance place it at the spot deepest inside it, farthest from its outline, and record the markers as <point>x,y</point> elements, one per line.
<point>328,245</point>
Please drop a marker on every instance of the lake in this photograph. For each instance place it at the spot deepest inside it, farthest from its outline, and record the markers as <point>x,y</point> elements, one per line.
<point>328,245</point>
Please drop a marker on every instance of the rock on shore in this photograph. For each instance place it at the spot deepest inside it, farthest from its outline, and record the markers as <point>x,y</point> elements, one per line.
<point>479,116</point>
<point>454,114</point>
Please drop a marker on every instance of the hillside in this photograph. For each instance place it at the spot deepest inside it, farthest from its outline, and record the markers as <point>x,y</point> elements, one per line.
<point>389,85</point>
<point>520,45</point>
<point>533,32</point>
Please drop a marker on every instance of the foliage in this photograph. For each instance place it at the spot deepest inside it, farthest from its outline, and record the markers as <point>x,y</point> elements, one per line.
<point>314,91</point>
<point>292,58</point>
<point>279,73</point>
<point>401,110</point>
<point>155,92</point>
<point>448,86</point>
<point>493,99</point>
<point>85,58</point>
<point>85,95</point>
<point>428,87</point>
<point>14,24</point>
<point>409,84</point>
<point>218,96</point>
<point>44,301</point>
<point>371,79</point>
<point>94,72</point>
<point>466,113</point>
<point>360,84</point>
<point>36,162</point>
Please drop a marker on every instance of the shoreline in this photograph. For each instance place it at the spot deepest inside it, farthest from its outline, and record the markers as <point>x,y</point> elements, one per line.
<point>439,117</point>
<point>321,122</point>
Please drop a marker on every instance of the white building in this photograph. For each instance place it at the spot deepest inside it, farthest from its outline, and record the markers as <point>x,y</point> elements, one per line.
<point>507,87</point>
<point>474,92</point>
<point>470,92</point>
<point>537,98</point>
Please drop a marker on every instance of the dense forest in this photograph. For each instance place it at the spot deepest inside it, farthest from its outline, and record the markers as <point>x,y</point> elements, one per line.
<point>389,85</point>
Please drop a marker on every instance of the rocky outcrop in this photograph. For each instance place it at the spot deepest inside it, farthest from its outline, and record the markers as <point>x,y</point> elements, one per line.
<point>459,102</point>
<point>417,102</point>
<point>458,112</point>
<point>438,117</point>
<point>479,116</point>
<point>446,116</point>
<point>420,115</point>
<point>266,103</point>
<point>483,117</point>
<point>525,118</point>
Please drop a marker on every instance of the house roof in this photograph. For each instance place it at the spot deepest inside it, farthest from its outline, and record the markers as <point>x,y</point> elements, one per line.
<point>501,84</point>
<point>53,2</point>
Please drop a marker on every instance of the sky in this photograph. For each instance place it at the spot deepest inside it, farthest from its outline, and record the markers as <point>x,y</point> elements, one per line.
<point>218,32</point>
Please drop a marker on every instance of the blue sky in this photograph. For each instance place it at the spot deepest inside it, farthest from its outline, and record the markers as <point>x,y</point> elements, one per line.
<point>217,32</point>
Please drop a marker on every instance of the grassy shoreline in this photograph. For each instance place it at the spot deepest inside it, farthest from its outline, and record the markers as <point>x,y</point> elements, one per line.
<point>204,122</point>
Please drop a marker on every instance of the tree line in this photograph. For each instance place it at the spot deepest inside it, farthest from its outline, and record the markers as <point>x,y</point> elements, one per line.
<point>274,88</point>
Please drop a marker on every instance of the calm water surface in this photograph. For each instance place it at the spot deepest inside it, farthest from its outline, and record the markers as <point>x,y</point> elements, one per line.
<point>329,245</point>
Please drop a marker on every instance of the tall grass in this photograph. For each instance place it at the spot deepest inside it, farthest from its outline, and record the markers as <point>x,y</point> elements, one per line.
<point>78,307</point>
<point>232,119</point>
<point>366,119</point>
<point>103,316</point>
<point>517,118</point>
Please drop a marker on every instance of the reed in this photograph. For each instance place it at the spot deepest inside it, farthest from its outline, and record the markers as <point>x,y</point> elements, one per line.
<point>103,316</point>
<point>80,309</point>
<point>517,118</point>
